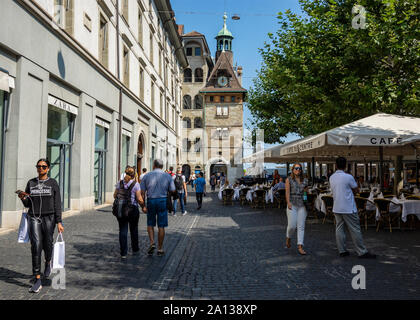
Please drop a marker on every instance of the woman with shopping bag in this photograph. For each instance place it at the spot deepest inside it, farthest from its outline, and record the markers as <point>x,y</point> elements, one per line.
<point>42,197</point>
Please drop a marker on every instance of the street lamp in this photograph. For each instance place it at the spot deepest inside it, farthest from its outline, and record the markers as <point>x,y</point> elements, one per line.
<point>236,17</point>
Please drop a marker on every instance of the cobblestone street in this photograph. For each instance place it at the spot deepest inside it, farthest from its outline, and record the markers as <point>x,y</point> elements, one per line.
<point>219,252</point>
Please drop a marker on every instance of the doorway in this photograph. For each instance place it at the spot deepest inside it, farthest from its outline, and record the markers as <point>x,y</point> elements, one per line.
<point>99,174</point>
<point>59,155</point>
<point>140,150</point>
<point>59,141</point>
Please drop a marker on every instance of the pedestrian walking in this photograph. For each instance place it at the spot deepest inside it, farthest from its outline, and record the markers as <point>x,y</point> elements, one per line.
<point>42,197</point>
<point>343,187</point>
<point>143,174</point>
<point>213,182</point>
<point>200,189</point>
<point>181,189</point>
<point>296,185</point>
<point>155,186</point>
<point>222,179</point>
<point>128,190</point>
<point>192,179</point>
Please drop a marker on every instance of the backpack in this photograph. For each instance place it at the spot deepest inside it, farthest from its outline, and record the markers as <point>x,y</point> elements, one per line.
<point>179,183</point>
<point>121,205</point>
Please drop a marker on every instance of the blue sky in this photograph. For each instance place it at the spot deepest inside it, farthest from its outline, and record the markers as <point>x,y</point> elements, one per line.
<point>258,18</point>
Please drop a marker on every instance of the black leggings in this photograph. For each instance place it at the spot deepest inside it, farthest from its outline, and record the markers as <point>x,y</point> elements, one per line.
<point>41,233</point>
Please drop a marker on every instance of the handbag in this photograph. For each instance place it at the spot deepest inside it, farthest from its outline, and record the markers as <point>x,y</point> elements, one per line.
<point>59,253</point>
<point>23,234</point>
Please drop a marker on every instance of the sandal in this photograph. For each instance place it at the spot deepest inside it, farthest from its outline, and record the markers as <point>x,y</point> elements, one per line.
<point>151,249</point>
<point>301,251</point>
<point>160,253</point>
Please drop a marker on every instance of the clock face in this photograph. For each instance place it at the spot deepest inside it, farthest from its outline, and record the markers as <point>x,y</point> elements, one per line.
<point>222,81</point>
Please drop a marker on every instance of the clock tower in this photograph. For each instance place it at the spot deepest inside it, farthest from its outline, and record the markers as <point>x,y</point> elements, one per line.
<point>223,111</point>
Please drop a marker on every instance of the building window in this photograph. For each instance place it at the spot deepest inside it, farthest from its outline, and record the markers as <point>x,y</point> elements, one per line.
<point>232,99</point>
<point>153,96</point>
<point>211,99</point>
<point>197,51</point>
<point>151,47</point>
<point>160,63</point>
<point>198,102</point>
<point>198,75</point>
<point>140,26</point>
<point>222,99</point>
<point>141,84</point>
<point>197,145</point>
<point>222,111</point>
<point>64,14</point>
<point>186,145</point>
<point>187,75</point>
<point>103,41</point>
<point>125,153</point>
<point>161,106</point>
<point>186,123</point>
<point>189,52</point>
<point>187,102</point>
<point>125,10</point>
<point>126,66</point>
<point>198,123</point>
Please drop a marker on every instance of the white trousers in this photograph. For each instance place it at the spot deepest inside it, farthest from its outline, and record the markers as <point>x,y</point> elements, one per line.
<point>296,219</point>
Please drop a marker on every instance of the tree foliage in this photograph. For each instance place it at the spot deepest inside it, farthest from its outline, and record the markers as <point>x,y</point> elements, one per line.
<point>319,72</point>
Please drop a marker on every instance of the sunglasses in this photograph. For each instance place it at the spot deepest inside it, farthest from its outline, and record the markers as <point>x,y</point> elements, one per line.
<point>43,167</point>
<point>298,168</point>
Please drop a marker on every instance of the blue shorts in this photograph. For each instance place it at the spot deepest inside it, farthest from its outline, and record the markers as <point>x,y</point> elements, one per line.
<point>157,208</point>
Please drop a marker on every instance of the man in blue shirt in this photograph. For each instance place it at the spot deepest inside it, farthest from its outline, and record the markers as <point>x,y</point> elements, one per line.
<point>156,185</point>
<point>200,188</point>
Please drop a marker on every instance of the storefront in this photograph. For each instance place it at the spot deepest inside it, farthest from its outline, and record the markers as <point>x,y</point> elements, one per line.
<point>60,135</point>
<point>101,148</point>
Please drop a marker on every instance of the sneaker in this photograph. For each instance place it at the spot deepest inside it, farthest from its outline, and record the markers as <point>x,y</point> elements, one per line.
<point>344,254</point>
<point>184,213</point>
<point>36,287</point>
<point>47,271</point>
<point>151,249</point>
<point>174,214</point>
<point>123,257</point>
<point>368,255</point>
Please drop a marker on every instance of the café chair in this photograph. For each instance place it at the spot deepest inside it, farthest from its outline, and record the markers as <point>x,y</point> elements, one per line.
<point>227,195</point>
<point>383,206</point>
<point>310,205</point>
<point>242,195</point>
<point>280,197</point>
<point>329,203</point>
<point>361,204</point>
<point>365,194</point>
<point>258,201</point>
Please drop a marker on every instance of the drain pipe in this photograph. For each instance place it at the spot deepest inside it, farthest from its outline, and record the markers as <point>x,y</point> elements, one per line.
<point>120,94</point>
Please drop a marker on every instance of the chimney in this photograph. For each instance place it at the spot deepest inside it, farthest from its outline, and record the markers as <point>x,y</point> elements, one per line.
<point>180,29</point>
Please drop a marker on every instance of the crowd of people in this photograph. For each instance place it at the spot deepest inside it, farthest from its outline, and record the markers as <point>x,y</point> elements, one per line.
<point>157,192</point>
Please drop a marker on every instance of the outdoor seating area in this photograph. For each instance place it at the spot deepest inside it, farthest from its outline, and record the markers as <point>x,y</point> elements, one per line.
<point>383,154</point>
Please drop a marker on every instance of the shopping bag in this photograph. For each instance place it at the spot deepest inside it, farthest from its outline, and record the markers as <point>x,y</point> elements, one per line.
<point>23,234</point>
<point>59,253</point>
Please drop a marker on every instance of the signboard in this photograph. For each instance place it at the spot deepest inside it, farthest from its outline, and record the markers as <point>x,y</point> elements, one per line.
<point>62,105</point>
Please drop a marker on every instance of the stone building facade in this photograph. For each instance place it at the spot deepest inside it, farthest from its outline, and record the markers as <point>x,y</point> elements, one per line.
<point>70,73</point>
<point>221,136</point>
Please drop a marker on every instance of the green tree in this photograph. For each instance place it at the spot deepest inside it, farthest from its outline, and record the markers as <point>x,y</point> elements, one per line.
<point>320,72</point>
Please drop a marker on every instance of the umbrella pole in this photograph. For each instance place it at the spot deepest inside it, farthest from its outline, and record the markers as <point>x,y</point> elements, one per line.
<point>313,170</point>
<point>381,167</point>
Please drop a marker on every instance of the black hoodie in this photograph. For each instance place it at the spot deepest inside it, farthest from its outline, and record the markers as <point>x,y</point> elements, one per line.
<point>45,196</point>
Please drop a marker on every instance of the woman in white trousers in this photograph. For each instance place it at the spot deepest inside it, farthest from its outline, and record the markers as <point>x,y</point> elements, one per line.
<point>296,185</point>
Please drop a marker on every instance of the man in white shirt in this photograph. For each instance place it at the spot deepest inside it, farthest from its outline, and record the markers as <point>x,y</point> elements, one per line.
<point>343,187</point>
